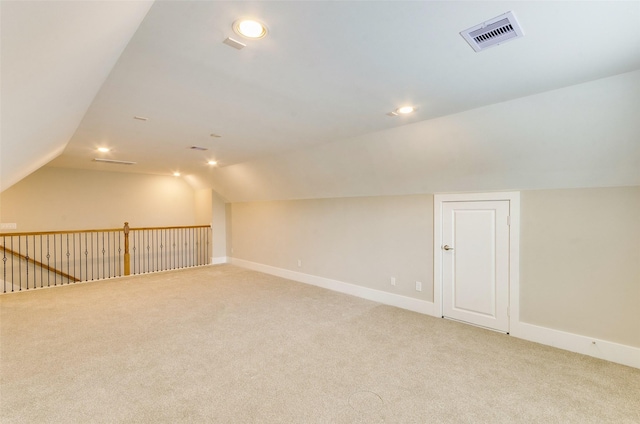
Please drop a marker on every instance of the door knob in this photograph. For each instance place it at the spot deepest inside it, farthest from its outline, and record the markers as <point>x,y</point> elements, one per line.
<point>446,247</point>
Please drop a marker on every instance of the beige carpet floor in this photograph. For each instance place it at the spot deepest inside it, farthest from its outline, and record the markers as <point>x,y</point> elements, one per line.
<point>222,344</point>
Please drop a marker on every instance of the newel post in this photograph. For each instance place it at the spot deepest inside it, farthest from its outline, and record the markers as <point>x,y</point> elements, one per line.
<point>127,257</point>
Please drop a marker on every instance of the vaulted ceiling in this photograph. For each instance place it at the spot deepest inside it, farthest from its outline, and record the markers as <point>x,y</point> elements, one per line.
<point>303,112</point>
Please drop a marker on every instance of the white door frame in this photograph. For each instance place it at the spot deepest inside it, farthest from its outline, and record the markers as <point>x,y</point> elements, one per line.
<point>514,246</point>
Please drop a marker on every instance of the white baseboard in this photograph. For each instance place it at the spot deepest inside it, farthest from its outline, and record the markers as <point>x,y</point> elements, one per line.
<point>404,302</point>
<point>602,349</point>
<point>219,260</point>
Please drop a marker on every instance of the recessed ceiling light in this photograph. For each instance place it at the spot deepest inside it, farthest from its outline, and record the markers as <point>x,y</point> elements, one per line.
<point>405,109</point>
<point>103,149</point>
<point>176,174</point>
<point>212,162</point>
<point>250,28</point>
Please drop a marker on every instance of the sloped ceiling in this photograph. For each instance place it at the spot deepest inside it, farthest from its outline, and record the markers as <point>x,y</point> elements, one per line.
<point>302,113</point>
<point>55,56</point>
<point>586,135</point>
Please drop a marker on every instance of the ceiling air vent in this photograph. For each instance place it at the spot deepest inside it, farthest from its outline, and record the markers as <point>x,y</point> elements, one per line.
<point>114,161</point>
<point>493,32</point>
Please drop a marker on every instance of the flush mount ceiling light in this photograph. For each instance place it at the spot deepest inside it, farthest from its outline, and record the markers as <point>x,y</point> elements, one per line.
<point>212,162</point>
<point>404,110</point>
<point>176,174</point>
<point>250,28</point>
<point>103,149</point>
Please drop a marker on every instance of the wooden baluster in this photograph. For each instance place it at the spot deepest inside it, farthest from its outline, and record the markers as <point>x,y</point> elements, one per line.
<point>127,257</point>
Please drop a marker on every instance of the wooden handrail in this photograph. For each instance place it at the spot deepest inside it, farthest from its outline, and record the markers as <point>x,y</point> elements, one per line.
<point>38,233</point>
<point>45,233</point>
<point>113,237</point>
<point>40,264</point>
<point>170,228</point>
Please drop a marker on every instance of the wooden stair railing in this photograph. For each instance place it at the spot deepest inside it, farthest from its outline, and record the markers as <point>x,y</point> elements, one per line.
<point>40,264</point>
<point>98,254</point>
<point>127,255</point>
<point>37,259</point>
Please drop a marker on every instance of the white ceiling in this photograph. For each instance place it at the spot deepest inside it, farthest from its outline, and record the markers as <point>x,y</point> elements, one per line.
<point>326,75</point>
<point>54,58</point>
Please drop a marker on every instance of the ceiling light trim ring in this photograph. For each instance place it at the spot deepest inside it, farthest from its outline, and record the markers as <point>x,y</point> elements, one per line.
<point>251,29</point>
<point>402,110</point>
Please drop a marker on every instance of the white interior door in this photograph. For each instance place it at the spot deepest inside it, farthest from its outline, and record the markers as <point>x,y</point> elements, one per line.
<point>475,262</point>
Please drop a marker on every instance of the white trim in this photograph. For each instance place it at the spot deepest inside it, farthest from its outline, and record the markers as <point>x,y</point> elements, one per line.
<point>602,349</point>
<point>404,302</point>
<point>514,246</point>
<point>219,260</point>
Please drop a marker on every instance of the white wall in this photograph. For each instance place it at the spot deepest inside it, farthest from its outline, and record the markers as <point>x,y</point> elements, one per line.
<point>580,262</point>
<point>580,251</point>
<point>219,228</point>
<point>363,240</point>
<point>69,199</point>
<point>204,206</point>
<point>580,248</point>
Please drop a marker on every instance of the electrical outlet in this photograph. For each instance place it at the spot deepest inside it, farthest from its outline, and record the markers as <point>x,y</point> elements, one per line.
<point>299,263</point>
<point>393,281</point>
<point>418,286</point>
<point>8,226</point>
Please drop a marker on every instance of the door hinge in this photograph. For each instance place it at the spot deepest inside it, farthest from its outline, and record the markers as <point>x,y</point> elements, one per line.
<point>508,220</point>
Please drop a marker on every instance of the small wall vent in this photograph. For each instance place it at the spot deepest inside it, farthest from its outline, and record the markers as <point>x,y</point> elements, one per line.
<point>234,43</point>
<point>495,31</point>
